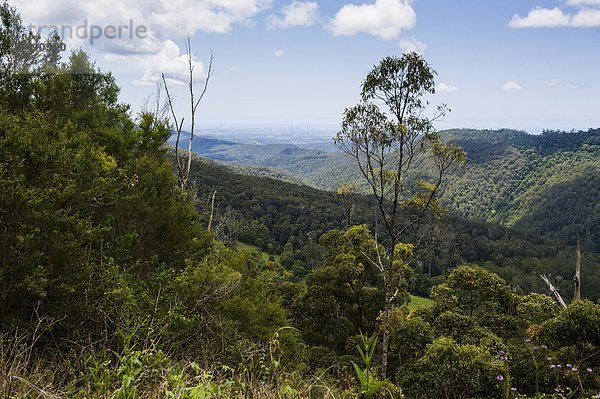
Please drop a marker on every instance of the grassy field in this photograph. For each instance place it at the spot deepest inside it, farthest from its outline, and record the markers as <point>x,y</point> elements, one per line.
<point>417,302</point>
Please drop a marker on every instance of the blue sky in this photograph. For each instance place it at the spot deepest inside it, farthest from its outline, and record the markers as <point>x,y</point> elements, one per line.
<point>507,63</point>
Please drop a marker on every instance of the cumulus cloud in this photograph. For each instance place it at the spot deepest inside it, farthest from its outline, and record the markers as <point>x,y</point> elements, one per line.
<point>540,17</point>
<point>167,60</point>
<point>579,3</point>
<point>185,17</point>
<point>166,18</point>
<point>279,53</point>
<point>412,46</point>
<point>512,86</point>
<point>162,21</point>
<point>586,18</point>
<point>446,88</point>
<point>297,13</point>
<point>586,15</point>
<point>383,18</point>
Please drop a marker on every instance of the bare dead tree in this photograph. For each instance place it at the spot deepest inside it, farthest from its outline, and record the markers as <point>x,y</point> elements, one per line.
<point>184,166</point>
<point>577,277</point>
<point>554,291</point>
<point>225,225</point>
<point>212,210</point>
<point>155,105</point>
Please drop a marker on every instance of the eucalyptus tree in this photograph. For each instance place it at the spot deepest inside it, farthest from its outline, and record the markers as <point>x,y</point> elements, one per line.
<point>387,134</point>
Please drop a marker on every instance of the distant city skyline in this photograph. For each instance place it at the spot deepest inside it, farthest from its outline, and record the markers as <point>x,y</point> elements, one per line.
<point>528,65</point>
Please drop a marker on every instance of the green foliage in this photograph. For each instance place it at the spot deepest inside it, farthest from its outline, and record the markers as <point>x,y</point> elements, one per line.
<point>474,296</point>
<point>410,337</point>
<point>369,384</point>
<point>544,183</point>
<point>341,298</point>
<point>578,325</point>
<point>534,309</point>
<point>478,290</point>
<point>450,370</point>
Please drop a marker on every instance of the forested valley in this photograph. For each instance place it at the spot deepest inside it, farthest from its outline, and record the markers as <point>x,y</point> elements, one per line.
<point>119,281</point>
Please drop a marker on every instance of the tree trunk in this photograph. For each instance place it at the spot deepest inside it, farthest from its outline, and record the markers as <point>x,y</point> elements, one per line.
<point>578,272</point>
<point>385,341</point>
<point>212,210</point>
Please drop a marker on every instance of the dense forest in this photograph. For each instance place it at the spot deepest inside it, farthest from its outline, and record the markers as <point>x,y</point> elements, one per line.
<point>546,184</point>
<point>285,220</point>
<point>118,282</point>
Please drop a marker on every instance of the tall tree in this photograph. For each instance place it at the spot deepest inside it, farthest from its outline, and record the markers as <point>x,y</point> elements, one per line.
<point>387,133</point>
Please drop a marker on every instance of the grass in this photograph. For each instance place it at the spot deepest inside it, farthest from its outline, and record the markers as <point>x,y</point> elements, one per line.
<point>144,372</point>
<point>417,302</point>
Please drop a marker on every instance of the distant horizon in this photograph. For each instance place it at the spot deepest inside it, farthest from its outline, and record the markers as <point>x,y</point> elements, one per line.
<point>326,128</point>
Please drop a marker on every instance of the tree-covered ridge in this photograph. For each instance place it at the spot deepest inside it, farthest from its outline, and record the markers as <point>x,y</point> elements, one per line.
<point>546,183</point>
<point>549,141</point>
<point>321,169</point>
<point>286,219</point>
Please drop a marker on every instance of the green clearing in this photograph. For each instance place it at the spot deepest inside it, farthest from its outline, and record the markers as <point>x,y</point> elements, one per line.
<point>417,302</point>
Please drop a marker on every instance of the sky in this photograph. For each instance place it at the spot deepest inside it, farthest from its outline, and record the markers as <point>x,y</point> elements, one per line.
<point>523,64</point>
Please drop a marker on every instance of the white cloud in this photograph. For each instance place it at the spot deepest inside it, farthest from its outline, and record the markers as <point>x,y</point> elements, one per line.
<point>167,60</point>
<point>587,16</point>
<point>384,19</point>
<point>541,17</point>
<point>166,18</point>
<point>162,20</point>
<point>234,69</point>
<point>297,13</point>
<point>279,53</point>
<point>445,88</point>
<point>412,46</point>
<point>512,86</point>
<point>579,3</point>
<point>185,17</point>
<point>567,85</point>
<point>553,83</point>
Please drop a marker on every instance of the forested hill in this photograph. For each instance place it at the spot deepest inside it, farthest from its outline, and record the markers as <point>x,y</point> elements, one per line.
<point>548,183</point>
<point>286,220</point>
<point>321,169</point>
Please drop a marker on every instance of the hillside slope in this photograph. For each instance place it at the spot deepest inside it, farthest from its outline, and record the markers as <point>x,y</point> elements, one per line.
<point>288,219</point>
<point>547,184</point>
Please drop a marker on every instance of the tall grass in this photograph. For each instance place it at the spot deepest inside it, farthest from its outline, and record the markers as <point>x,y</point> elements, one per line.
<point>27,370</point>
